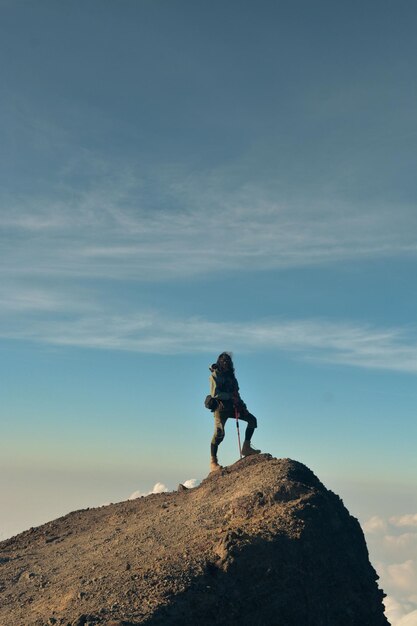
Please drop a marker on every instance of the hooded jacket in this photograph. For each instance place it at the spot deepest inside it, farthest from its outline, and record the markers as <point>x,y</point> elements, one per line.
<point>223,385</point>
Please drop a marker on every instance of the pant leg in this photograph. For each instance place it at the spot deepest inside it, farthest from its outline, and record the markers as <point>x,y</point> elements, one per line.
<point>220,418</point>
<point>252,422</point>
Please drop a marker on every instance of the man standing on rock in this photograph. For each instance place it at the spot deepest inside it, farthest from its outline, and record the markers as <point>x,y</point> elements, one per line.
<point>224,389</point>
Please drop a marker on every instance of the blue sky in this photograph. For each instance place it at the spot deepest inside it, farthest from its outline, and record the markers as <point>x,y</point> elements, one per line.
<point>182,178</point>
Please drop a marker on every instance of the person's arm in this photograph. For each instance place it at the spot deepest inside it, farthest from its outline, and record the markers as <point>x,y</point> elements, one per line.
<point>215,391</point>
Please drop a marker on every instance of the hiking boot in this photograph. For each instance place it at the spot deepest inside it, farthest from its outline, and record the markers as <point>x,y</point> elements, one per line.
<point>214,464</point>
<point>247,449</point>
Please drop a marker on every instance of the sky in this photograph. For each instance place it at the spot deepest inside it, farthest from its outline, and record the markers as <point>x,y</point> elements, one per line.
<point>179,178</point>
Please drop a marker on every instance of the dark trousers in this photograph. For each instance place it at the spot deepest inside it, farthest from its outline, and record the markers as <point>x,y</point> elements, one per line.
<point>220,418</point>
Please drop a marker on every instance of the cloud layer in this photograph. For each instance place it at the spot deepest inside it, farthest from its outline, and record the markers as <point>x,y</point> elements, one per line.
<point>190,483</point>
<point>151,332</point>
<point>188,227</point>
<point>157,488</point>
<point>393,548</point>
<point>62,250</point>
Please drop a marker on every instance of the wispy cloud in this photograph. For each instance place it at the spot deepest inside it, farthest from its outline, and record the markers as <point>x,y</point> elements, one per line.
<point>117,228</point>
<point>152,332</point>
<point>22,298</point>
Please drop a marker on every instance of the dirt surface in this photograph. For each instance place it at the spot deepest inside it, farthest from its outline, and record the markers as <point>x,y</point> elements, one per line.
<point>262,542</point>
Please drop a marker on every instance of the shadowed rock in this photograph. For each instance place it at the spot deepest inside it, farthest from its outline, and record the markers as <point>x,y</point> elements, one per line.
<point>262,542</point>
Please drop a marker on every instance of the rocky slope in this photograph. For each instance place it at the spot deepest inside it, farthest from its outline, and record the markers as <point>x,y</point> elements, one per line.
<point>261,543</point>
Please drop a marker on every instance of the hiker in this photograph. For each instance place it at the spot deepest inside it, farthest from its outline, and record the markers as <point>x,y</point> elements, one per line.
<point>224,389</point>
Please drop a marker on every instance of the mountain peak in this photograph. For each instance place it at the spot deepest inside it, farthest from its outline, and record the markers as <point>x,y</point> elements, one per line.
<point>261,542</point>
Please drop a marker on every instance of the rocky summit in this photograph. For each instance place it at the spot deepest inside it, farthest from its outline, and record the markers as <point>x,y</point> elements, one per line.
<point>260,543</point>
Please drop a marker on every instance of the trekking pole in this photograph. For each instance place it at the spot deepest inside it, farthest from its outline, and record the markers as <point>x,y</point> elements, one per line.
<point>238,430</point>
